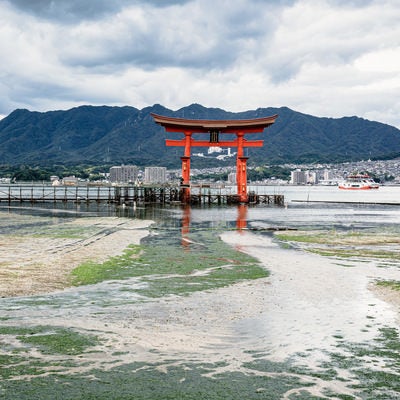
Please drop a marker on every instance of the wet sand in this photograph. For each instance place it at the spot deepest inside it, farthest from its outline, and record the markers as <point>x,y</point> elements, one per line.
<point>306,302</point>
<point>314,299</point>
<point>307,298</point>
<point>38,264</point>
<point>300,312</point>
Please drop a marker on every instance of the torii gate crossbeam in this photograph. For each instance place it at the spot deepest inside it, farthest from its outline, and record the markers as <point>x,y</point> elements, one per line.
<point>214,128</point>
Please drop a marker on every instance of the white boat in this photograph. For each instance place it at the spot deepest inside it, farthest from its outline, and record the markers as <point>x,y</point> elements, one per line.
<point>358,182</point>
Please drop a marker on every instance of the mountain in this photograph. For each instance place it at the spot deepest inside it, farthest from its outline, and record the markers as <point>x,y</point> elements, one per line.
<point>116,135</point>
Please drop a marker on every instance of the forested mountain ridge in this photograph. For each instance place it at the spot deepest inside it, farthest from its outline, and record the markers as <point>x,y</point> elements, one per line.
<point>115,135</point>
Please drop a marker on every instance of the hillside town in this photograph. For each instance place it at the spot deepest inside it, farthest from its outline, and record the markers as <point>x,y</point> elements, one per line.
<point>385,171</point>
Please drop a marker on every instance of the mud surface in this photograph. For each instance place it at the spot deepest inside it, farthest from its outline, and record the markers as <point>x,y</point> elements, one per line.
<point>298,334</point>
<point>39,260</point>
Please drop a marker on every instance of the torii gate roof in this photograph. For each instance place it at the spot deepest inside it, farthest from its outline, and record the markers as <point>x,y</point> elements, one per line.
<point>172,124</point>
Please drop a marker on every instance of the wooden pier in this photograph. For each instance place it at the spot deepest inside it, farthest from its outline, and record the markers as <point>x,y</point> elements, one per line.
<point>235,199</point>
<point>127,195</point>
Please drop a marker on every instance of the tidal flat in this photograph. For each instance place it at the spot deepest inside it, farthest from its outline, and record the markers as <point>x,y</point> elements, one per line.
<point>210,312</point>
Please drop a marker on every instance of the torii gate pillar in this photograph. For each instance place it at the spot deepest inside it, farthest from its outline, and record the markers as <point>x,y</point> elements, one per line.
<point>185,170</point>
<point>186,158</point>
<point>241,169</point>
<point>185,182</point>
<point>241,178</point>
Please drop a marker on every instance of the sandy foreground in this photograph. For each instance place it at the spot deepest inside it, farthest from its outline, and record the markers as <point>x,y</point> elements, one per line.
<point>303,307</point>
<point>38,264</point>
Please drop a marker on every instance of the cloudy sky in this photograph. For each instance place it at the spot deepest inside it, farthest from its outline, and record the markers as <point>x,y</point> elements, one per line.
<point>329,58</point>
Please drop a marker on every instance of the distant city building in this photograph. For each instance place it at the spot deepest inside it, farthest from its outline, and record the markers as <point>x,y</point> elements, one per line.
<point>155,175</point>
<point>124,174</point>
<point>232,177</point>
<point>312,177</point>
<point>328,175</point>
<point>298,177</point>
<point>70,181</point>
<point>172,175</point>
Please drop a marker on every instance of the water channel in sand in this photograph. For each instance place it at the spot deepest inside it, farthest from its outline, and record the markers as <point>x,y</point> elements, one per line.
<point>303,312</point>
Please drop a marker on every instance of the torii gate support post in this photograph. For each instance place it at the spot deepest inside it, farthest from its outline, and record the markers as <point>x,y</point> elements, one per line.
<point>241,179</point>
<point>186,159</point>
<point>241,169</point>
<point>185,170</point>
<point>186,167</point>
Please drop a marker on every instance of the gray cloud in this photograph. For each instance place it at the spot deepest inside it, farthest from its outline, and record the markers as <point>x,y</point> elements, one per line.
<point>325,57</point>
<point>67,11</point>
<point>73,11</point>
<point>149,39</point>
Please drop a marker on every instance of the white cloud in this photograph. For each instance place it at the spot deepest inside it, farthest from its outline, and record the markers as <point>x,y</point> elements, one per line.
<point>381,61</point>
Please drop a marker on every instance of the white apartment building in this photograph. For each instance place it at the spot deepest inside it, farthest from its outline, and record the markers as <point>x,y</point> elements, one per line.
<point>124,174</point>
<point>155,175</point>
<point>312,177</point>
<point>328,175</point>
<point>298,177</point>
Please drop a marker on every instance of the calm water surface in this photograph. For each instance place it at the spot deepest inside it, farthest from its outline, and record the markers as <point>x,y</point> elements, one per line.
<point>305,207</point>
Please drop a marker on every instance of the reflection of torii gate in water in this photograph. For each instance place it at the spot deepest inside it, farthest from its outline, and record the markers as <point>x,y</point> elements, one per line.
<point>241,222</point>
<point>214,128</point>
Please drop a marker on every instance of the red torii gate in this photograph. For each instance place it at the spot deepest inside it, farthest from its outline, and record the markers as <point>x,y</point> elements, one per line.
<point>214,128</point>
